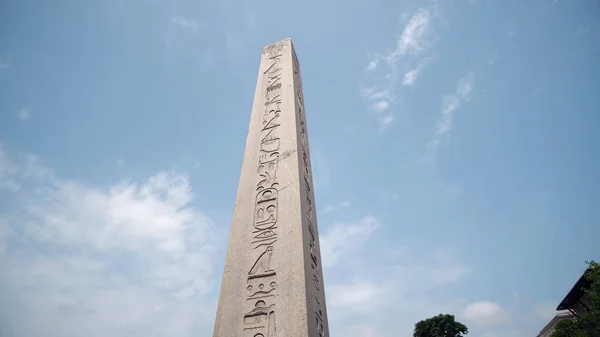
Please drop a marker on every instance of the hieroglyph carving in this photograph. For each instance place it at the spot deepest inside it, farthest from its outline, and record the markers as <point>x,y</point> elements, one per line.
<point>318,306</point>
<point>260,307</point>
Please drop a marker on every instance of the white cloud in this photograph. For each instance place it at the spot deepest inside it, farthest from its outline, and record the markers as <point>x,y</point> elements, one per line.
<point>410,77</point>
<point>412,38</point>
<point>450,103</point>
<point>321,173</point>
<point>187,24</point>
<point>24,114</point>
<point>403,64</point>
<point>490,334</point>
<point>403,288</point>
<point>545,310</point>
<point>343,239</point>
<point>385,121</point>
<point>83,260</point>
<point>485,313</point>
<point>416,37</point>
<point>336,207</point>
<point>372,65</point>
<point>384,95</point>
<point>380,106</point>
<point>363,296</point>
<point>7,172</point>
<point>465,87</point>
<point>365,330</point>
<point>379,100</point>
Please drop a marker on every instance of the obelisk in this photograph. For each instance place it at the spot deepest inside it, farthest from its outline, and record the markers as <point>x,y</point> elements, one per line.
<point>273,279</point>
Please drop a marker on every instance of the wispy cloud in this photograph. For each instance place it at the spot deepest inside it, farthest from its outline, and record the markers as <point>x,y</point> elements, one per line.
<point>24,114</point>
<point>180,37</point>
<point>485,313</point>
<point>239,36</point>
<point>321,172</point>
<point>403,64</point>
<point>336,207</point>
<point>410,77</point>
<point>343,238</point>
<point>364,296</point>
<point>372,65</point>
<point>8,181</point>
<point>4,64</point>
<point>385,121</point>
<point>494,58</point>
<point>191,25</point>
<point>372,292</point>
<point>450,103</point>
<point>413,36</point>
<point>545,310</point>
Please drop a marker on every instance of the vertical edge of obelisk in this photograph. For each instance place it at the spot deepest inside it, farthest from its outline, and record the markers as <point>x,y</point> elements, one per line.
<point>315,292</point>
<point>296,306</point>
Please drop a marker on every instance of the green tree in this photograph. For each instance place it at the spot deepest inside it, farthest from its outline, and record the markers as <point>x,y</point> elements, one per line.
<point>588,325</point>
<point>440,326</point>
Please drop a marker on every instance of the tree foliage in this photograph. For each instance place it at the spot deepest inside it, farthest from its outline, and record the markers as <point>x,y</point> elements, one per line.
<point>588,325</point>
<point>440,326</point>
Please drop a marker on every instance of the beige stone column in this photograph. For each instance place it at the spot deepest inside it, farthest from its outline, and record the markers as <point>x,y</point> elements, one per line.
<point>273,281</point>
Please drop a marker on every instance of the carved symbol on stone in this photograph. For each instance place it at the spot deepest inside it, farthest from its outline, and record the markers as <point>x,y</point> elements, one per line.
<point>270,119</point>
<point>320,326</point>
<point>265,215</point>
<point>265,237</point>
<point>259,315</point>
<point>269,144</point>
<point>261,266</point>
<point>274,80</point>
<point>268,177</point>
<point>262,293</point>
<point>275,59</point>
<point>273,99</point>
<point>268,171</point>
<point>265,158</point>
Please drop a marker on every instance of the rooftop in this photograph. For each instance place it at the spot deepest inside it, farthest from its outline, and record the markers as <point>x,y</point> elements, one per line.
<point>575,294</point>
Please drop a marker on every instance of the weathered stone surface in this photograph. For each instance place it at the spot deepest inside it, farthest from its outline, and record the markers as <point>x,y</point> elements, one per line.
<point>273,281</point>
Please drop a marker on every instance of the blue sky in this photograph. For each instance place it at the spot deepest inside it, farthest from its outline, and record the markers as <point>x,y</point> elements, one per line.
<point>454,145</point>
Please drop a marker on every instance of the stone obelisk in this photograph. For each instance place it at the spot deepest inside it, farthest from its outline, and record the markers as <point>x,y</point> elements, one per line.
<point>273,280</point>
